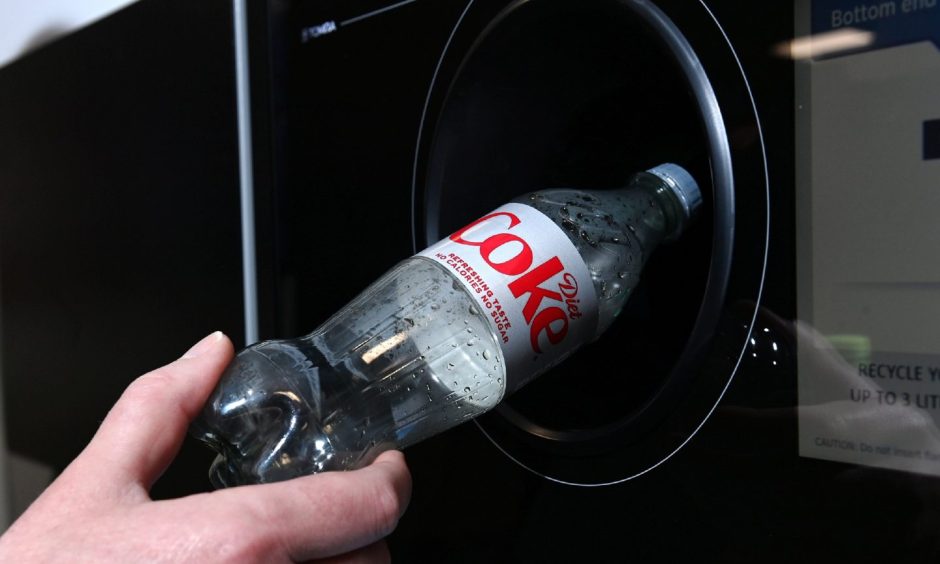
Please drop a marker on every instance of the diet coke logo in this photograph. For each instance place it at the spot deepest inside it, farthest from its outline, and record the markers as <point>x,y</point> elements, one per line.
<point>547,309</point>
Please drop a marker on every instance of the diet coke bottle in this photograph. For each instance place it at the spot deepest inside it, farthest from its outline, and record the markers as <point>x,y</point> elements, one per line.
<point>445,335</point>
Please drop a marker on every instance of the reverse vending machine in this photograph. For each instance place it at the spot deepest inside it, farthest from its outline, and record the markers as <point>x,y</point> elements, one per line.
<point>769,393</point>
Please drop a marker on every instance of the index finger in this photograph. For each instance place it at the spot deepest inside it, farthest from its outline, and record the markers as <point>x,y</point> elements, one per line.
<point>330,513</point>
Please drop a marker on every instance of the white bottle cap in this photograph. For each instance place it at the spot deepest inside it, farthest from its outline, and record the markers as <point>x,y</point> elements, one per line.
<point>683,186</point>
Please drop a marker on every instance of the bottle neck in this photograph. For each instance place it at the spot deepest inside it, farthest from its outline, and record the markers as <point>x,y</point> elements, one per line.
<point>673,222</point>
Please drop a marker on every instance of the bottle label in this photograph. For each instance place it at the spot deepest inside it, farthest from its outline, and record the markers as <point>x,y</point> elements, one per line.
<point>529,280</point>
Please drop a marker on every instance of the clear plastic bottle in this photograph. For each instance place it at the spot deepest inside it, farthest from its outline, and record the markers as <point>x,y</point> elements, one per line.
<point>445,335</point>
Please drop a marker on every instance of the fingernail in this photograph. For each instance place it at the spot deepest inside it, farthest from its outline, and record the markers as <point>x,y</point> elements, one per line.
<point>204,345</point>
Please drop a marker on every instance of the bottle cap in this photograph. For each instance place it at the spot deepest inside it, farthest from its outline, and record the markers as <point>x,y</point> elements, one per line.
<point>683,186</point>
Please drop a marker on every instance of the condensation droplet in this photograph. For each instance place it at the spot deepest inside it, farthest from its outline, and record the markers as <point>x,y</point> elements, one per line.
<point>474,311</point>
<point>435,307</point>
<point>486,354</point>
<point>409,321</point>
<point>450,365</point>
<point>466,390</point>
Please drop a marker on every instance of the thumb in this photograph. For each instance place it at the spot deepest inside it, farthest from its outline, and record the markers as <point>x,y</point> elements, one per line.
<point>143,431</point>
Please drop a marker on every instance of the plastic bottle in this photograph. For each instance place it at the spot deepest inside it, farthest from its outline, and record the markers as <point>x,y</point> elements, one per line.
<point>445,335</point>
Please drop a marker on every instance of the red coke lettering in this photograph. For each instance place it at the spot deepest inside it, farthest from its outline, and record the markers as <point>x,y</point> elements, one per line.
<point>511,266</point>
<point>551,320</point>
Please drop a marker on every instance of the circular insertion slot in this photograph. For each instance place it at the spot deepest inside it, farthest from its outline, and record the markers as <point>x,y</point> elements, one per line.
<point>529,100</point>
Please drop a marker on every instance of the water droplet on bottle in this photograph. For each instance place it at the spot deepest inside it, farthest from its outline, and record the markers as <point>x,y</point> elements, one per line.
<point>430,399</point>
<point>587,238</point>
<point>435,307</point>
<point>469,343</point>
<point>466,390</point>
<point>631,228</point>
<point>450,365</point>
<point>469,329</point>
<point>474,311</point>
<point>621,275</point>
<point>414,376</point>
<point>499,380</point>
<point>421,357</point>
<point>407,388</point>
<point>409,321</point>
<point>564,211</point>
<point>486,354</point>
<point>615,240</point>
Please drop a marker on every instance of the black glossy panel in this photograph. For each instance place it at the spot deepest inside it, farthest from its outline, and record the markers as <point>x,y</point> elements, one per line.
<point>119,232</point>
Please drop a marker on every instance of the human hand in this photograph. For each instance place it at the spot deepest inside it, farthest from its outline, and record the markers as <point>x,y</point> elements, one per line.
<point>99,509</point>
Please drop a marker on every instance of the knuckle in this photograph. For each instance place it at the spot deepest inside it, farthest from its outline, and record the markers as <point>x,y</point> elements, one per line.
<point>147,386</point>
<point>388,506</point>
<point>150,389</point>
<point>243,540</point>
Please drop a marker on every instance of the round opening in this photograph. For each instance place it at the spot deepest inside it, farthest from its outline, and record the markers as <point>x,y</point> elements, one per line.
<point>548,93</point>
